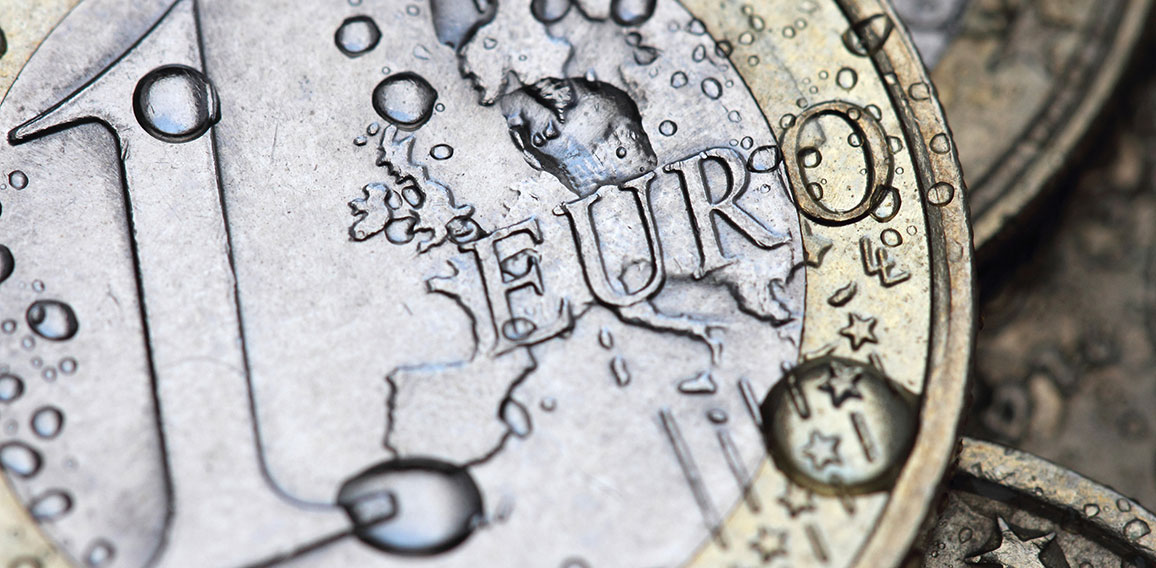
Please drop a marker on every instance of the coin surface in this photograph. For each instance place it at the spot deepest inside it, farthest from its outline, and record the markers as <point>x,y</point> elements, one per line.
<point>532,283</point>
<point>1011,509</point>
<point>1022,81</point>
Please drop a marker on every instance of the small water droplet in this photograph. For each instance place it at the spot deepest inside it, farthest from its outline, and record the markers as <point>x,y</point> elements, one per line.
<point>1135,529</point>
<point>441,152</point>
<point>360,141</point>
<point>47,422</point>
<point>847,78</point>
<point>874,110</point>
<point>18,180</point>
<point>28,342</point>
<point>940,144</point>
<point>717,415</point>
<point>854,140</point>
<point>100,553</point>
<point>405,99</point>
<point>891,237</point>
<point>746,38</point>
<point>816,190</point>
<point>548,11</point>
<point>757,23</point>
<point>764,159</point>
<point>49,374</point>
<point>965,534</point>
<point>699,53</point>
<point>516,417</point>
<point>696,27</point>
<point>605,338</point>
<point>810,157</point>
<point>621,372</point>
<point>723,48</point>
<point>631,12</point>
<point>894,144</point>
<point>786,121</point>
<point>678,79</point>
<point>940,193</point>
<point>373,129</point>
<point>412,10</point>
<point>68,365</point>
<point>549,404</point>
<point>420,52</point>
<point>1123,505</point>
<point>489,43</point>
<point>620,152</point>
<point>1091,510</point>
<point>734,116</point>
<point>753,60</point>
<point>747,143</point>
<point>517,329</point>
<point>788,32</point>
<point>11,387</point>
<point>867,37</point>
<point>357,36</point>
<point>52,319</point>
<point>18,459</point>
<point>919,91</point>
<point>888,206</point>
<point>711,88</point>
<point>7,263</point>
<point>667,128</point>
<point>51,505</point>
<point>176,104</point>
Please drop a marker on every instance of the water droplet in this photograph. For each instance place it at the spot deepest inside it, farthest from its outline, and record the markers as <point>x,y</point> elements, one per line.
<point>18,459</point>
<point>786,121</point>
<point>696,27</point>
<point>28,342</point>
<point>965,534</point>
<point>847,78</point>
<point>874,110</point>
<point>678,79</point>
<point>405,99</point>
<point>801,102</point>
<point>723,48</point>
<point>620,152</point>
<point>1091,510</point>
<point>605,338</point>
<point>11,387</point>
<point>373,129</point>
<point>667,128</point>
<point>717,415</point>
<point>753,60</point>
<point>441,152</point>
<point>788,32</point>
<point>747,143</point>
<point>549,404</point>
<point>711,88</point>
<point>746,38</point>
<point>919,91</point>
<point>18,180</point>
<point>47,422</point>
<point>100,553</point>
<point>940,193</point>
<point>516,417</point>
<point>68,365</point>
<point>517,329</point>
<point>699,53</point>
<point>7,263</point>
<point>867,37</point>
<point>412,10</point>
<point>816,190</point>
<point>52,319</point>
<point>621,372</point>
<point>854,140</point>
<point>412,506</point>
<point>757,23</point>
<point>38,286</point>
<point>940,144</point>
<point>1123,505</point>
<point>49,374</point>
<point>37,362</point>
<point>764,159</point>
<point>894,144</point>
<point>702,383</point>
<point>357,36</point>
<point>734,116</point>
<point>175,103</point>
<point>549,11</point>
<point>360,141</point>
<point>631,12</point>
<point>888,206</point>
<point>891,237</point>
<point>1135,529</point>
<point>810,157</point>
<point>51,505</point>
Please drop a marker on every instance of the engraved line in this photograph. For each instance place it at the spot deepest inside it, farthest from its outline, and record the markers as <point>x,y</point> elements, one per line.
<point>752,401</point>
<point>864,434</point>
<point>817,545</point>
<point>798,400</point>
<point>693,477</point>
<point>735,461</point>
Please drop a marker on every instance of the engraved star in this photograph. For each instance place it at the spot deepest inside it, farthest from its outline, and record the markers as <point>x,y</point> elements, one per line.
<point>1013,552</point>
<point>769,543</point>
<point>859,330</point>
<point>797,500</point>
<point>815,247</point>
<point>822,450</point>
<point>840,384</point>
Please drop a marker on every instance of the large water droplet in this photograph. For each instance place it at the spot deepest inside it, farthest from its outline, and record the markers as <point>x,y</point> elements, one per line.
<point>18,179</point>
<point>810,157</point>
<point>18,459</point>
<point>940,193</point>
<point>631,12</point>
<point>7,263</point>
<point>11,387</point>
<point>176,103</point>
<point>357,36</point>
<point>51,505</point>
<point>405,99</point>
<point>711,88</point>
<point>1135,529</point>
<point>549,11</point>
<point>940,144</point>
<point>764,159</point>
<point>47,422</point>
<point>414,506</point>
<point>678,79</point>
<point>52,319</point>
<point>846,78</point>
<point>867,36</point>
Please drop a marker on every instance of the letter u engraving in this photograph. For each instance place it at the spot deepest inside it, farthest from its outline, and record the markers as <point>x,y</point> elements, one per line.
<point>590,255</point>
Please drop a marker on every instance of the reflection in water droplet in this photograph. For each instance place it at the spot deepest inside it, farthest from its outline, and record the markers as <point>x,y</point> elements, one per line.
<point>847,78</point>
<point>940,144</point>
<point>810,157</point>
<point>549,11</point>
<point>52,319</point>
<point>441,152</point>
<point>19,459</point>
<point>667,128</point>
<point>176,103</point>
<point>620,370</point>
<point>867,37</point>
<point>357,36</point>
<point>631,12</point>
<point>18,180</point>
<point>940,193</point>
<point>51,505</point>
<point>405,99</point>
<point>7,263</point>
<point>711,88</point>
<point>678,79</point>
<point>413,506</point>
<point>47,422</point>
<point>11,387</point>
<point>100,554</point>
<point>764,159</point>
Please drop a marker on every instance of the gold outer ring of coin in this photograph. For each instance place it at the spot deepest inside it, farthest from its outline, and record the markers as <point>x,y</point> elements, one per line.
<point>951,327</point>
<point>1003,191</point>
